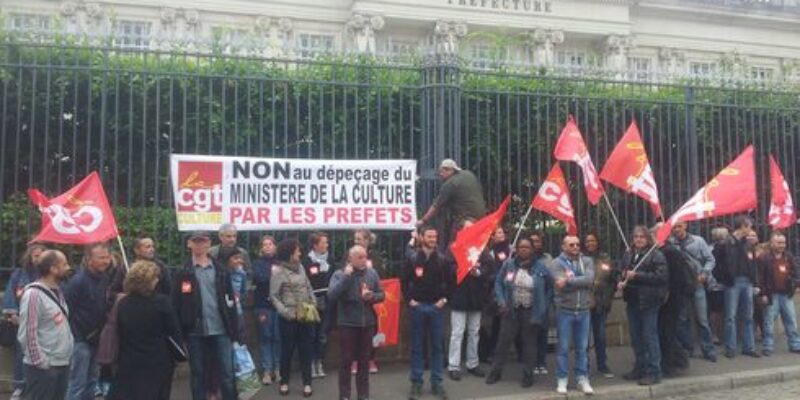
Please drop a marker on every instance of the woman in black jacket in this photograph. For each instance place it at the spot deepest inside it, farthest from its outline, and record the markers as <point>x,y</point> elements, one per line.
<point>145,322</point>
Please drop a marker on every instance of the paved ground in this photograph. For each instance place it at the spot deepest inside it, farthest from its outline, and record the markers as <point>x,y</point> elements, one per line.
<point>742,372</point>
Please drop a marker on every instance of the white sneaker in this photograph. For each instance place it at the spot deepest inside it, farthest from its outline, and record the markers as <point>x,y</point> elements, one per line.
<point>321,369</point>
<point>314,371</point>
<point>16,395</point>
<point>584,386</point>
<point>562,386</point>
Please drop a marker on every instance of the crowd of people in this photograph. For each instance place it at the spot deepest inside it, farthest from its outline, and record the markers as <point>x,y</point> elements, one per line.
<point>299,295</point>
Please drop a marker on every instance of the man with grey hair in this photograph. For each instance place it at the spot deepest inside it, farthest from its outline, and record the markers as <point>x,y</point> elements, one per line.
<point>460,197</point>
<point>227,238</point>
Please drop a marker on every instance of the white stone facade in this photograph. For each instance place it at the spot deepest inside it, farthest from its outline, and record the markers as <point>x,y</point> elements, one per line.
<point>653,40</point>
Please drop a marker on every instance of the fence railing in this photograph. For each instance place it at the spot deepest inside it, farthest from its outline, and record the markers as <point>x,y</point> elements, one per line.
<point>68,110</point>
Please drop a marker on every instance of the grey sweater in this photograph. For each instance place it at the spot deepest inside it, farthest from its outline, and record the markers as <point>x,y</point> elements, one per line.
<point>576,295</point>
<point>345,291</point>
<point>44,331</point>
<point>288,288</point>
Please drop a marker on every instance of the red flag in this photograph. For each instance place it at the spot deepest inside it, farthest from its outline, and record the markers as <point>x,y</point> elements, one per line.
<point>388,313</point>
<point>732,190</point>
<point>781,207</point>
<point>571,147</point>
<point>629,169</point>
<point>471,241</point>
<point>553,198</point>
<point>80,215</point>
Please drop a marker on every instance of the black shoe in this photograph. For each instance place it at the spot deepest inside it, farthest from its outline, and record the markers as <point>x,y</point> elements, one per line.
<point>606,372</point>
<point>795,351</point>
<point>711,357</point>
<point>416,392</point>
<point>439,392</point>
<point>649,381</point>
<point>493,377</point>
<point>477,371</point>
<point>632,376</point>
<point>455,375</point>
<point>730,353</point>
<point>751,353</point>
<point>527,379</point>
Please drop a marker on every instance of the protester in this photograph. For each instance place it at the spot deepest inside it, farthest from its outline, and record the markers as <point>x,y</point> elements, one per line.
<point>318,266</point>
<point>144,249</point>
<point>204,301</point>
<point>716,290</point>
<point>231,258</point>
<point>267,317</point>
<point>227,238</point>
<point>738,274</point>
<point>681,285</point>
<point>779,270</point>
<point>290,291</point>
<point>698,254</point>
<point>45,335</point>
<point>354,290</point>
<point>500,251</point>
<point>644,286</point>
<point>460,197</point>
<point>606,277</point>
<point>522,291</point>
<point>426,283</point>
<point>145,323</point>
<point>468,299</point>
<point>87,296</point>
<point>537,240</point>
<point>366,239</point>
<point>24,274</point>
<point>573,278</point>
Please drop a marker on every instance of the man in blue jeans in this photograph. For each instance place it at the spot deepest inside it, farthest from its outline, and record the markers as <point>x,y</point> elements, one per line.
<point>778,271</point>
<point>426,282</point>
<point>206,307</point>
<point>738,274</point>
<point>697,253</point>
<point>573,276</point>
<point>86,295</point>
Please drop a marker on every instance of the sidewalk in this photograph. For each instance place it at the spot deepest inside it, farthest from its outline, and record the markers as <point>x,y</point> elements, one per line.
<point>392,382</point>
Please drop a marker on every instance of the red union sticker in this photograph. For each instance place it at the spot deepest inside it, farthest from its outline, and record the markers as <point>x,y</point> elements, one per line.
<point>419,272</point>
<point>186,287</point>
<point>314,270</point>
<point>509,276</point>
<point>199,186</point>
<point>782,268</point>
<point>58,318</point>
<point>501,256</point>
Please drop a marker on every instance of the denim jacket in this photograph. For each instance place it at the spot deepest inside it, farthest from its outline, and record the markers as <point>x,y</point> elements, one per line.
<point>20,278</point>
<point>542,287</point>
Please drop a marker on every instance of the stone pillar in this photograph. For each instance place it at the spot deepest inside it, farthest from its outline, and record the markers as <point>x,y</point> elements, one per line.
<point>84,18</point>
<point>446,35</point>
<point>275,34</point>
<point>542,43</point>
<point>361,30</point>
<point>616,52</point>
<point>178,27</point>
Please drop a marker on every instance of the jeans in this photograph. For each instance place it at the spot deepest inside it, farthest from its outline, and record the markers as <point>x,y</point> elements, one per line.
<point>83,372</point>
<point>356,346</point>
<point>573,330</point>
<point>296,336</point>
<point>541,345</point>
<point>599,334</point>
<point>217,349</point>
<point>739,304</point>
<point>459,321</point>
<point>783,304</point>
<point>426,320</point>
<point>19,370</point>
<point>644,339</point>
<point>698,300</point>
<point>516,323</point>
<point>46,384</point>
<point>269,339</point>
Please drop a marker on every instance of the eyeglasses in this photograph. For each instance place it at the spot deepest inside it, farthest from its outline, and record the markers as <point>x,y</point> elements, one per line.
<point>573,244</point>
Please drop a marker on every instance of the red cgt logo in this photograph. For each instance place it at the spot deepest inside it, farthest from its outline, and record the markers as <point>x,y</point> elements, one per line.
<point>199,186</point>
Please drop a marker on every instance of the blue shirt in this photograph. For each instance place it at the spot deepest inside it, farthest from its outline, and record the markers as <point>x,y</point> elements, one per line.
<point>212,320</point>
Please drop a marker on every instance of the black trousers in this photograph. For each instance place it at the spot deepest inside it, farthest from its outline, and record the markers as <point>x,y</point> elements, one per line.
<point>45,384</point>
<point>516,322</point>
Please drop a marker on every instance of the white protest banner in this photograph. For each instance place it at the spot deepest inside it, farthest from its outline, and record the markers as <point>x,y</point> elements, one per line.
<point>293,194</point>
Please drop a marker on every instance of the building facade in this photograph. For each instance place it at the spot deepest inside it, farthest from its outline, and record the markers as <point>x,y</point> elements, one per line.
<point>643,40</point>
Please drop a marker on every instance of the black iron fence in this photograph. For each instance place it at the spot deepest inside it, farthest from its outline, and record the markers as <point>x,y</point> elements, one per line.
<point>68,110</point>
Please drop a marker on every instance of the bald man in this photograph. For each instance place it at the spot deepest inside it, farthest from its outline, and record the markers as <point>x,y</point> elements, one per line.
<point>354,289</point>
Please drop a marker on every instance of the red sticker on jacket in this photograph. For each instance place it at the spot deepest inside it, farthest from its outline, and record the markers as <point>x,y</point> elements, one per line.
<point>782,268</point>
<point>749,256</point>
<point>314,270</point>
<point>369,263</point>
<point>501,256</point>
<point>509,276</point>
<point>58,318</point>
<point>186,287</point>
<point>419,272</point>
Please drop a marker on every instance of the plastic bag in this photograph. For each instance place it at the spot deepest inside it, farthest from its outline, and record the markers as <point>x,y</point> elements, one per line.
<point>242,361</point>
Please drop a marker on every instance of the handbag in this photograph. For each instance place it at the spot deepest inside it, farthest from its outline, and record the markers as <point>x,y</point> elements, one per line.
<point>307,313</point>
<point>177,350</point>
<point>108,345</point>
<point>8,333</point>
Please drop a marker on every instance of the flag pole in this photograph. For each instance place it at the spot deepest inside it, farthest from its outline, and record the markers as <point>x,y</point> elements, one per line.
<point>521,224</point>
<point>122,250</point>
<point>616,222</point>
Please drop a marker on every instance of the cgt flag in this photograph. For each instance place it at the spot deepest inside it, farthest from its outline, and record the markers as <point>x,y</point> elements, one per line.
<point>553,198</point>
<point>732,190</point>
<point>629,169</point>
<point>781,208</point>
<point>571,147</point>
<point>471,241</point>
<point>388,313</point>
<point>80,215</point>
